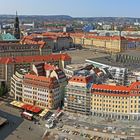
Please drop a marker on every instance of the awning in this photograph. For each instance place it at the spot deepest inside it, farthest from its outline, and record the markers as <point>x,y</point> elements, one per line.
<point>44,112</point>
<point>31,108</point>
<point>17,104</point>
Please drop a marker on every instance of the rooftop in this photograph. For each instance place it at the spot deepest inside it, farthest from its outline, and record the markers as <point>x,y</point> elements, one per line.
<point>110,87</point>
<point>7,37</point>
<point>27,59</point>
<point>82,79</point>
<point>39,78</point>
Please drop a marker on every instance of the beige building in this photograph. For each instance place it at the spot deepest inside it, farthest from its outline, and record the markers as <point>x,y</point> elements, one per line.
<point>105,43</point>
<point>43,86</point>
<point>116,102</point>
<point>16,49</point>
<point>17,84</point>
<point>41,91</point>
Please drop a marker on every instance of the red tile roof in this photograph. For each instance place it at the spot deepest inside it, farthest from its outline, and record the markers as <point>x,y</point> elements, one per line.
<point>81,79</point>
<point>89,36</point>
<point>39,78</point>
<point>28,59</point>
<point>125,91</point>
<point>49,67</point>
<point>134,85</point>
<point>110,87</point>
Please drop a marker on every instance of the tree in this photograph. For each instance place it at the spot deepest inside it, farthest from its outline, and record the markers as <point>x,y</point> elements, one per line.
<point>3,90</point>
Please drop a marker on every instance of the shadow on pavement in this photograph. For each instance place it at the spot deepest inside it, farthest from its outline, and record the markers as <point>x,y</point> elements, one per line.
<point>13,123</point>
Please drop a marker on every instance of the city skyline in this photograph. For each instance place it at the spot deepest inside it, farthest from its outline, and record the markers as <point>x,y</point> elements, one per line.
<point>78,8</point>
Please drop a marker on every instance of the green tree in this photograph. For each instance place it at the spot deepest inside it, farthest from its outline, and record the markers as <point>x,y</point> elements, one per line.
<point>3,90</point>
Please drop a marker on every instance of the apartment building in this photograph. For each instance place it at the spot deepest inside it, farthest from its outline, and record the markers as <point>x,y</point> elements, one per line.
<point>16,86</point>
<point>116,102</point>
<point>9,65</point>
<point>43,86</point>
<point>78,94</point>
<point>41,91</point>
<point>48,70</point>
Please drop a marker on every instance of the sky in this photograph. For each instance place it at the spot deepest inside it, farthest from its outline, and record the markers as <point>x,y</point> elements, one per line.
<point>74,8</point>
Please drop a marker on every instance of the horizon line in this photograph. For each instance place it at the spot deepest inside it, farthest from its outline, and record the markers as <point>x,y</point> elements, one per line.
<point>68,15</point>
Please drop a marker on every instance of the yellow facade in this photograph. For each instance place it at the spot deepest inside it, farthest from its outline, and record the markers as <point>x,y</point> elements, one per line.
<point>111,45</point>
<point>115,106</point>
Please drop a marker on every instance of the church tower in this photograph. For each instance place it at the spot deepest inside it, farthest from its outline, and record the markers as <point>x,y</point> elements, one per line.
<point>16,27</point>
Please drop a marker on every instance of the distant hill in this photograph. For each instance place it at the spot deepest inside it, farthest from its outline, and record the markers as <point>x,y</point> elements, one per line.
<point>108,19</point>
<point>67,17</point>
<point>37,17</point>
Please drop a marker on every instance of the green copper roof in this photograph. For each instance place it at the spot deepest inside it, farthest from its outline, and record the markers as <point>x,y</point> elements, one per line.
<point>7,37</point>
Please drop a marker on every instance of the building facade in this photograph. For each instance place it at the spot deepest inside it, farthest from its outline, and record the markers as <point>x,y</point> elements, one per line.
<point>16,89</point>
<point>105,43</point>
<point>78,94</point>
<point>41,91</point>
<point>16,49</point>
<point>43,86</point>
<point>116,102</point>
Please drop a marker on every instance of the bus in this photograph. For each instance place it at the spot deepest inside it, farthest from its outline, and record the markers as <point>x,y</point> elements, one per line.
<point>27,115</point>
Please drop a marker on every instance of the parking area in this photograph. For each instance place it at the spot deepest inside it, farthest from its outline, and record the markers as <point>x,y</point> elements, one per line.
<point>90,127</point>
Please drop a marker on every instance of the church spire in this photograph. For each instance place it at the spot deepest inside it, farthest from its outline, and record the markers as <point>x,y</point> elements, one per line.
<point>16,27</point>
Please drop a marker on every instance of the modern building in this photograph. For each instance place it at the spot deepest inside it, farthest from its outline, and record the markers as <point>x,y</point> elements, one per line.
<point>117,74</point>
<point>16,87</point>
<point>9,65</point>
<point>73,69</point>
<point>78,94</point>
<point>116,102</point>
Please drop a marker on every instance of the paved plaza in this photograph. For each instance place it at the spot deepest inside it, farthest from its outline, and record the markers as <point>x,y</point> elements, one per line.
<point>79,56</point>
<point>18,128</point>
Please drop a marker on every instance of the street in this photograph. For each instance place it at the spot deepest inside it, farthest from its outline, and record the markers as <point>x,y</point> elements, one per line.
<point>18,128</point>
